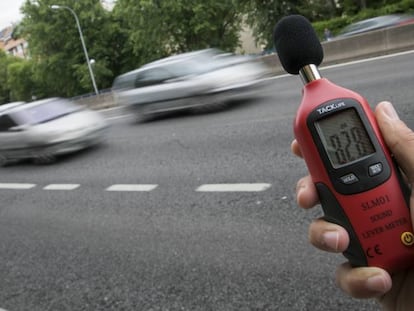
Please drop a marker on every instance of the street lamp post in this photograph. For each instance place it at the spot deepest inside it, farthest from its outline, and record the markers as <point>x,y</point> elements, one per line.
<point>57,7</point>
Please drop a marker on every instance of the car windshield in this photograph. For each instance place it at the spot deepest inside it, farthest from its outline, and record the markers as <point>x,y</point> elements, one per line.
<point>45,112</point>
<point>358,26</point>
<point>381,21</point>
<point>188,67</point>
<point>198,64</point>
<point>124,82</point>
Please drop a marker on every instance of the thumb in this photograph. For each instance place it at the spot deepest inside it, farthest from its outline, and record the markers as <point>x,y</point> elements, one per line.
<point>398,137</point>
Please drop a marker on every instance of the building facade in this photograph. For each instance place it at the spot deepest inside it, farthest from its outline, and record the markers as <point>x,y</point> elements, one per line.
<point>16,47</point>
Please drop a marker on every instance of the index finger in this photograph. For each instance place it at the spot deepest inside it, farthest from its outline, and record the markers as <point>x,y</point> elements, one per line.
<point>398,136</point>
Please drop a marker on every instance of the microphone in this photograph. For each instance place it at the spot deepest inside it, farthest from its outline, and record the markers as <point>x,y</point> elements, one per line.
<point>298,47</point>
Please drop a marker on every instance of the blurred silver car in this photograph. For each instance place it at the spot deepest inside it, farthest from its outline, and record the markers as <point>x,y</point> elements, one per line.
<point>201,80</point>
<point>376,23</point>
<point>45,129</point>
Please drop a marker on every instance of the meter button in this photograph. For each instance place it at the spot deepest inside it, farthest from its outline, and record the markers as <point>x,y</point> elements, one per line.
<point>407,238</point>
<point>375,169</point>
<point>349,179</point>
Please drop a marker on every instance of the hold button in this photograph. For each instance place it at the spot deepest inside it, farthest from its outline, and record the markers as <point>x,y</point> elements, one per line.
<point>350,178</point>
<point>375,169</point>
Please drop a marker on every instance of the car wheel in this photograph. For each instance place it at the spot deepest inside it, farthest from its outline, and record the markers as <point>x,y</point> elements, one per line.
<point>214,106</point>
<point>220,105</point>
<point>3,160</point>
<point>44,158</point>
<point>140,116</point>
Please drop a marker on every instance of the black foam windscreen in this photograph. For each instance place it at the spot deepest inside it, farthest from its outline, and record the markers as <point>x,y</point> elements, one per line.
<point>297,43</point>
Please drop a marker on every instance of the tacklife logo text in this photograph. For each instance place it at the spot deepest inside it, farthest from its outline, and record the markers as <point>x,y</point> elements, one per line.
<point>330,107</point>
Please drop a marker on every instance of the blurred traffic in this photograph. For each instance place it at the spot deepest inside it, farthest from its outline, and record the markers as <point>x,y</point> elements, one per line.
<point>45,129</point>
<point>376,23</point>
<point>202,80</point>
<point>199,81</point>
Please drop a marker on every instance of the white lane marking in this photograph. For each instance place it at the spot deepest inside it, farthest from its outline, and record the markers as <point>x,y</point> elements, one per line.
<point>16,186</point>
<point>61,187</point>
<point>359,61</point>
<point>132,187</point>
<point>257,187</point>
<point>235,187</point>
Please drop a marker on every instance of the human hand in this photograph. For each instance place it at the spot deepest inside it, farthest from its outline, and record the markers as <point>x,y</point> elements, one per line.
<point>394,292</point>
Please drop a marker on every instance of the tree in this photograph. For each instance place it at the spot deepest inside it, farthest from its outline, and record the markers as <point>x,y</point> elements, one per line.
<point>16,82</point>
<point>351,7</point>
<point>319,10</point>
<point>56,49</point>
<point>20,80</point>
<point>154,28</point>
<point>4,89</point>
<point>262,16</point>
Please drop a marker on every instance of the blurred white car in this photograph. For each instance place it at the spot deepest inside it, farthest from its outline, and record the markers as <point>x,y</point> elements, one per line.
<point>376,23</point>
<point>200,80</point>
<point>45,129</point>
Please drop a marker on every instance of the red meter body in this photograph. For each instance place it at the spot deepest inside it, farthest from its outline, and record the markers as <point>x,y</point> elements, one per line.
<point>359,185</point>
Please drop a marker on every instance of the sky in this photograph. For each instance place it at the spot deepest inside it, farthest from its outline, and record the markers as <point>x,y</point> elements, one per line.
<point>9,12</point>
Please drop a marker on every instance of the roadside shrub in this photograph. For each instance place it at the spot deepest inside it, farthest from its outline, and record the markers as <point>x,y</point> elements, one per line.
<point>334,25</point>
<point>407,5</point>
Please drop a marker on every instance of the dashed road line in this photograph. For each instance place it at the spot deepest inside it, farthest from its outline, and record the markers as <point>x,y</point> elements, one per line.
<point>132,187</point>
<point>223,187</point>
<point>257,187</point>
<point>16,186</point>
<point>61,187</point>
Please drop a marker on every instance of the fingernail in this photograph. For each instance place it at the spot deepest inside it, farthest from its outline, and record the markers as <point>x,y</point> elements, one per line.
<point>378,283</point>
<point>389,111</point>
<point>331,240</point>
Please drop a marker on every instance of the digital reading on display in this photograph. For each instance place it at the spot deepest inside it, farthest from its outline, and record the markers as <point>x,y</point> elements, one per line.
<point>344,137</point>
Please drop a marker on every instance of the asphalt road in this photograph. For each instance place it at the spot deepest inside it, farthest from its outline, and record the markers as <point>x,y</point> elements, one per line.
<point>130,225</point>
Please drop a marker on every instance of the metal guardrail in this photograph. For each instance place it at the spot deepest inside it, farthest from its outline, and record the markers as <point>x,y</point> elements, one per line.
<point>101,101</point>
<point>374,43</point>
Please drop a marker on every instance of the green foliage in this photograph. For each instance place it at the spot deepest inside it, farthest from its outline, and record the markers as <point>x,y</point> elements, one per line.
<point>407,5</point>
<point>154,29</point>
<point>349,7</point>
<point>4,90</point>
<point>20,81</point>
<point>317,10</point>
<point>404,6</point>
<point>55,45</point>
<point>262,16</point>
<point>337,23</point>
<point>334,25</point>
<point>15,78</point>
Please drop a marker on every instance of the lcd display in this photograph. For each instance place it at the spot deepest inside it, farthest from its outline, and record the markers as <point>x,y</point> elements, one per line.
<point>344,137</point>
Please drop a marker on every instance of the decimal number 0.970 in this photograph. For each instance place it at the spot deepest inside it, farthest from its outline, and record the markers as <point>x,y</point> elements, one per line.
<point>348,145</point>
